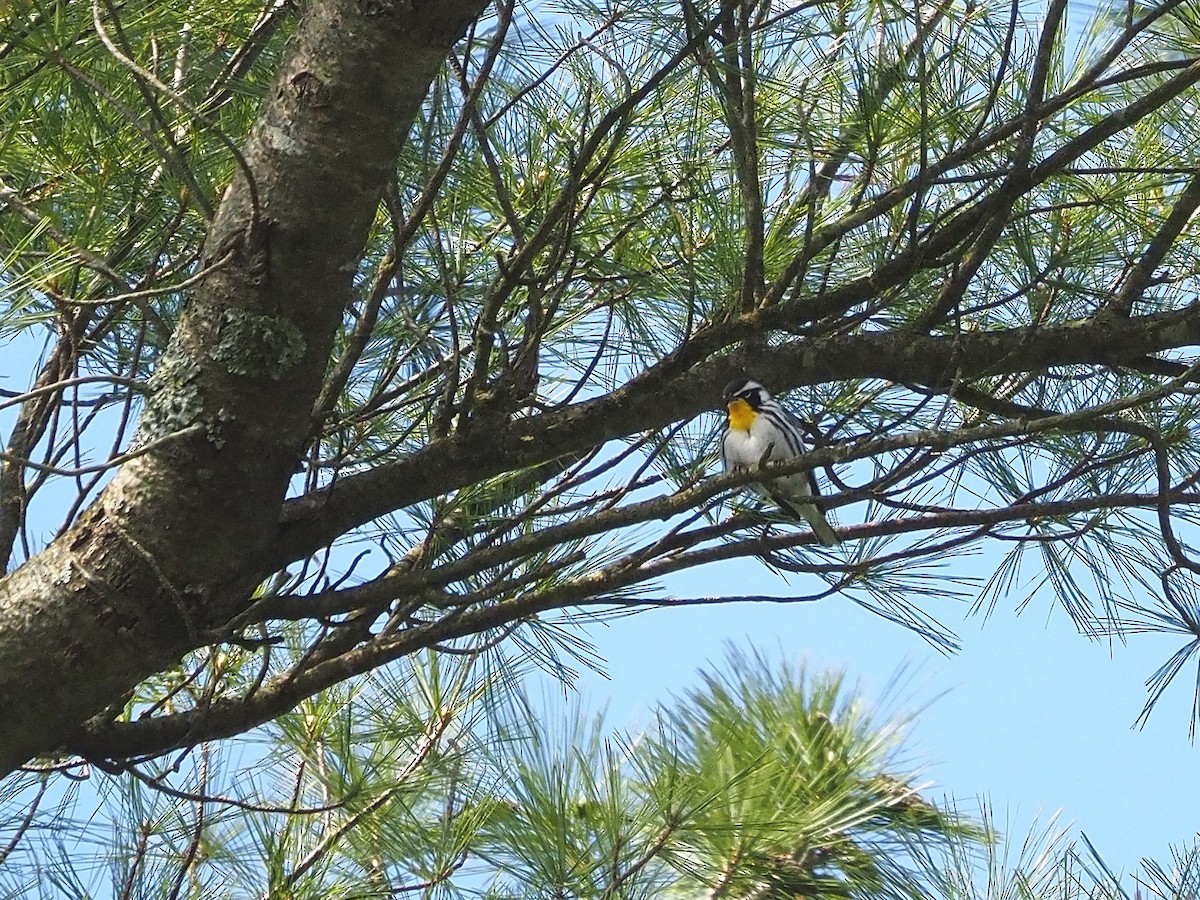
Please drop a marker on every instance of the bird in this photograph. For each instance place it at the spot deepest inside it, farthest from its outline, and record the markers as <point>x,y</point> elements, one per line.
<point>759,429</point>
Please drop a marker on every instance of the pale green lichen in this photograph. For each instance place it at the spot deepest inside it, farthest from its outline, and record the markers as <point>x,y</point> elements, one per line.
<point>215,430</point>
<point>255,345</point>
<point>174,400</point>
<point>62,577</point>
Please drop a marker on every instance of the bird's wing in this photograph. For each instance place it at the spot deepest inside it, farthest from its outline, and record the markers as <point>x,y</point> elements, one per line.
<point>799,425</point>
<point>791,504</point>
<point>790,491</point>
<point>813,485</point>
<point>786,503</point>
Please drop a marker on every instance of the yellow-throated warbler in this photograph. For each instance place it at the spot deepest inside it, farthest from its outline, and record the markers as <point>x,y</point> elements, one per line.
<point>760,430</point>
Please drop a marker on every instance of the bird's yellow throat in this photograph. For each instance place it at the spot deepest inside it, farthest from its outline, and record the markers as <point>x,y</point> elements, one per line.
<point>741,415</point>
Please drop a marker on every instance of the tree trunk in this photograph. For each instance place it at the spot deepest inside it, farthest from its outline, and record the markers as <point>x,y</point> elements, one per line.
<point>175,543</point>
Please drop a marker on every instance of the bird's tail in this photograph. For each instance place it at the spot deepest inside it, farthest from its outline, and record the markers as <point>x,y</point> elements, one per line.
<point>825,534</point>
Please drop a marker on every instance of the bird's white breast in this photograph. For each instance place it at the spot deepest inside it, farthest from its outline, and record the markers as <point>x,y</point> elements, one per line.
<point>747,448</point>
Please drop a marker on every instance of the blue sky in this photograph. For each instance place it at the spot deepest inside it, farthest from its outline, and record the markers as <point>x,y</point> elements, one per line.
<point>1028,715</point>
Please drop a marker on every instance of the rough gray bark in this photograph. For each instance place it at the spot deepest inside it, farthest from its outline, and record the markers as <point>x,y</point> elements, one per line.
<point>173,545</point>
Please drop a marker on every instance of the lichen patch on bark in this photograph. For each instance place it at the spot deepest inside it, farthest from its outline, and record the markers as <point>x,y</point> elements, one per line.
<point>254,345</point>
<point>174,399</point>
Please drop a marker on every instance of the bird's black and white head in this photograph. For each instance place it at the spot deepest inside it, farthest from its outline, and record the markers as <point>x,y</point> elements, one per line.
<point>748,390</point>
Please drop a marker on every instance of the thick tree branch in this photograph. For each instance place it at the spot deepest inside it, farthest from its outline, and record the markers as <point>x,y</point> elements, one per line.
<point>100,739</point>
<point>685,385</point>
